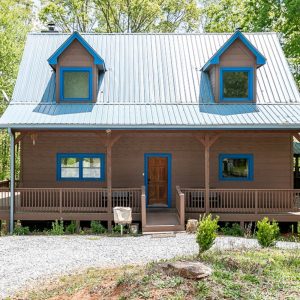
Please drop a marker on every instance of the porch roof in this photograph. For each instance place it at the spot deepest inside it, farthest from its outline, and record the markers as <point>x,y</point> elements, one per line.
<point>158,116</point>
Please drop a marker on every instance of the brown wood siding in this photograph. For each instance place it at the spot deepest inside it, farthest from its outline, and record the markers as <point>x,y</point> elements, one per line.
<point>237,55</point>
<point>77,56</point>
<point>272,158</point>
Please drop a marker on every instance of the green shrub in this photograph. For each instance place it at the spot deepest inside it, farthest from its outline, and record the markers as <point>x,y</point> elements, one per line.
<point>234,230</point>
<point>267,232</point>
<point>71,228</point>
<point>206,232</point>
<point>97,227</point>
<point>57,227</point>
<point>20,230</point>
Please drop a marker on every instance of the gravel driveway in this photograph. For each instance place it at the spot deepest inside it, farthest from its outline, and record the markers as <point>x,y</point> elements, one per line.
<point>25,259</point>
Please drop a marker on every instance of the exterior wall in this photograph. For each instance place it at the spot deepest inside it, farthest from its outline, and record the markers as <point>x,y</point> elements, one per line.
<point>272,158</point>
<point>77,56</point>
<point>237,55</point>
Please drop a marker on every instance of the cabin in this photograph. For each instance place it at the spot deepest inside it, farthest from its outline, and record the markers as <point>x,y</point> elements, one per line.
<point>171,125</point>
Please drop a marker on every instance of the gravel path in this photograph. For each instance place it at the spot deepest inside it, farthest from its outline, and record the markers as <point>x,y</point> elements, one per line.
<point>26,259</point>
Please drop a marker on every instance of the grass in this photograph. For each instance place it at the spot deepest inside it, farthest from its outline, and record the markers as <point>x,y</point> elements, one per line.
<point>255,274</point>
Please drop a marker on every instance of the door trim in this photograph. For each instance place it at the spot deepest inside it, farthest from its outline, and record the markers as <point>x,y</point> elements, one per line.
<point>169,157</point>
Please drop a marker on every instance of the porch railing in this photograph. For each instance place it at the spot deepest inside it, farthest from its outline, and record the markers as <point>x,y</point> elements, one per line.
<point>70,200</point>
<point>243,200</point>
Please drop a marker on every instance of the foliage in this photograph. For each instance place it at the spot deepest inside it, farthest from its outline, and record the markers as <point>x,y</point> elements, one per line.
<point>122,15</point>
<point>20,230</point>
<point>97,227</point>
<point>234,230</point>
<point>254,274</point>
<point>267,232</point>
<point>206,232</point>
<point>258,15</point>
<point>71,228</point>
<point>57,227</point>
<point>15,20</point>
<point>117,229</point>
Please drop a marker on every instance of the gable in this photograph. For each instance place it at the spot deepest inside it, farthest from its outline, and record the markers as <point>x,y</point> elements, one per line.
<point>237,36</point>
<point>52,60</point>
<point>237,55</point>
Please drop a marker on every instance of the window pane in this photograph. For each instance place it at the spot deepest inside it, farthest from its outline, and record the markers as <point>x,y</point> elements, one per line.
<point>235,84</point>
<point>70,167</point>
<point>91,168</point>
<point>76,85</point>
<point>235,167</point>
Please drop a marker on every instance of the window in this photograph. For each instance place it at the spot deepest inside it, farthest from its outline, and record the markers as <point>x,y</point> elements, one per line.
<point>236,167</point>
<point>80,167</point>
<point>236,84</point>
<point>76,84</point>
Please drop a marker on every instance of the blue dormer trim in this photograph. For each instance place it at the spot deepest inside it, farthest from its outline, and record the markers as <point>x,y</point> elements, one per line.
<point>97,58</point>
<point>250,72</point>
<point>215,59</point>
<point>63,70</point>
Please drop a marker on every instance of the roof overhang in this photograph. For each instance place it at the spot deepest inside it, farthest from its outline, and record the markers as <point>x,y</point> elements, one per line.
<point>215,59</point>
<point>98,60</point>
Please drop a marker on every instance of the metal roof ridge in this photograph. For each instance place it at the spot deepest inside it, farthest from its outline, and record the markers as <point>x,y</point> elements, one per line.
<point>155,103</point>
<point>150,33</point>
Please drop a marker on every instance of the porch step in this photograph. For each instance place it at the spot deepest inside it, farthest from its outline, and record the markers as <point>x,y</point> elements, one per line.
<point>151,229</point>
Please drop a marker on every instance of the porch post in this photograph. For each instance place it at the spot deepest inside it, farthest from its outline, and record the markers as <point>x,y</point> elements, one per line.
<point>109,184</point>
<point>206,158</point>
<point>109,144</point>
<point>207,141</point>
<point>12,180</point>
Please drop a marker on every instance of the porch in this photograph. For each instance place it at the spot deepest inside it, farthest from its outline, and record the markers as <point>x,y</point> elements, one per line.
<point>164,163</point>
<point>85,204</point>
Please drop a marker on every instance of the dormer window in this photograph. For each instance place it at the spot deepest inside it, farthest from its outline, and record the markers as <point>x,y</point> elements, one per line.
<point>236,84</point>
<point>76,84</point>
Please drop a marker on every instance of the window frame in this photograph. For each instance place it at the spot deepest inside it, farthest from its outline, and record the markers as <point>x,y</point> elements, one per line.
<point>63,70</point>
<point>80,156</point>
<point>250,176</point>
<point>250,72</point>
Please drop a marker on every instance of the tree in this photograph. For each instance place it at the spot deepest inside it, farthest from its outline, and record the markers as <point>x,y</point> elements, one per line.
<point>122,15</point>
<point>15,21</point>
<point>282,16</point>
<point>290,26</point>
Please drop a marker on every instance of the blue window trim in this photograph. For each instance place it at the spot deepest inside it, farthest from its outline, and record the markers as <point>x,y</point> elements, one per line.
<point>250,83</point>
<point>80,156</point>
<point>75,69</point>
<point>250,166</point>
<point>169,156</point>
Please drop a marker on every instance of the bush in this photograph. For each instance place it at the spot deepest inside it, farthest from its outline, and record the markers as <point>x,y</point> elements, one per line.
<point>267,233</point>
<point>20,230</point>
<point>206,232</point>
<point>234,230</point>
<point>71,228</point>
<point>97,227</point>
<point>57,227</point>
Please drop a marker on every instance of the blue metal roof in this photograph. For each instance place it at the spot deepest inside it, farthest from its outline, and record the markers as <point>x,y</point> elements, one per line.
<point>152,81</point>
<point>153,116</point>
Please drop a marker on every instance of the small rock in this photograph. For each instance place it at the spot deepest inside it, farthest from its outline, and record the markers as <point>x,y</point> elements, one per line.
<point>191,226</point>
<point>188,269</point>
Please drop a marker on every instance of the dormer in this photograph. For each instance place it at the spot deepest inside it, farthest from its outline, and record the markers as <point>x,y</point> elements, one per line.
<point>232,70</point>
<point>77,66</point>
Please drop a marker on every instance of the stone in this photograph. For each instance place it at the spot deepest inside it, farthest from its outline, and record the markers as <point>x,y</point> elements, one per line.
<point>187,269</point>
<point>191,226</point>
